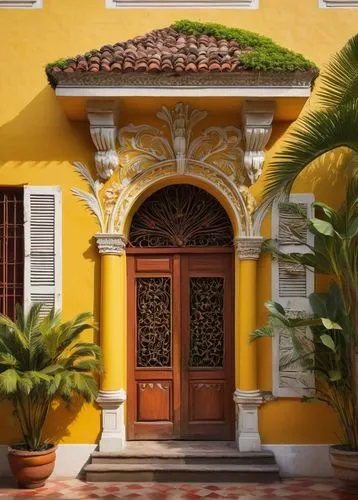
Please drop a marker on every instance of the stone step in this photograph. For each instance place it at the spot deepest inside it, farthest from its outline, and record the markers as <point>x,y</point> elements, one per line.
<point>182,472</point>
<point>188,456</point>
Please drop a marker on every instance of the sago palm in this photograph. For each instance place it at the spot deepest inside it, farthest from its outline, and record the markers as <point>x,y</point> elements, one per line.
<point>42,358</point>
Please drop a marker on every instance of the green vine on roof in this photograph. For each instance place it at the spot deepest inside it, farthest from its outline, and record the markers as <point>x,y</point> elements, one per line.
<point>265,55</point>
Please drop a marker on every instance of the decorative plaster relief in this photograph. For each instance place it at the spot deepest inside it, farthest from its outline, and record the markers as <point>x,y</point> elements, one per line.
<point>102,118</point>
<point>148,154</point>
<point>257,122</point>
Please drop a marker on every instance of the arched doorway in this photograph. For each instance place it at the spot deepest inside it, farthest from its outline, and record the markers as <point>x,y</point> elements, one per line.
<point>180,318</point>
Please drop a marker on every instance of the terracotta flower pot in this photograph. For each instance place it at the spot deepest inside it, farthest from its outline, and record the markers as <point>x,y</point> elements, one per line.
<point>32,468</point>
<point>344,463</point>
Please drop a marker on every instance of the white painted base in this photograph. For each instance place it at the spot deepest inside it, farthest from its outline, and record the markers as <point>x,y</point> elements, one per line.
<point>293,459</point>
<point>247,422</point>
<point>113,436</point>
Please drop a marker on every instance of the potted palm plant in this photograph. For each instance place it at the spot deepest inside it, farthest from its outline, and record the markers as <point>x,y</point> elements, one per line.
<point>41,359</point>
<point>330,348</point>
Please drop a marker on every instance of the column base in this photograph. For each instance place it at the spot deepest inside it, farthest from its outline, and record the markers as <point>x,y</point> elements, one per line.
<point>247,429</point>
<point>113,435</point>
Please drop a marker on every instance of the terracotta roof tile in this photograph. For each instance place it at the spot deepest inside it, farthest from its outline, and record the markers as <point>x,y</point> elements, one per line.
<point>160,50</point>
<point>157,57</point>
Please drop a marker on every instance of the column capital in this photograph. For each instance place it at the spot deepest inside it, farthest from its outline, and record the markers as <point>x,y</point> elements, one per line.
<point>248,247</point>
<point>111,243</point>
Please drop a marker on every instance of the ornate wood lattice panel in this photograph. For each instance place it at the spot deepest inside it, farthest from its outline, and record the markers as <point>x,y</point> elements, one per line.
<point>153,322</point>
<point>181,216</point>
<point>206,322</point>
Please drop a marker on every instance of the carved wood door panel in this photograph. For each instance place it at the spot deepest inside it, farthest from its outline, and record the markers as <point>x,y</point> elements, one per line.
<point>180,349</point>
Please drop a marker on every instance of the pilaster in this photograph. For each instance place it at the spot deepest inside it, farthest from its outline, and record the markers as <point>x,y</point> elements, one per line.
<point>247,425</point>
<point>247,397</point>
<point>102,118</point>
<point>112,339</point>
<point>113,434</point>
<point>257,117</point>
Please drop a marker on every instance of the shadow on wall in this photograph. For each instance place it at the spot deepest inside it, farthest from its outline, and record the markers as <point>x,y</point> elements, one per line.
<point>42,132</point>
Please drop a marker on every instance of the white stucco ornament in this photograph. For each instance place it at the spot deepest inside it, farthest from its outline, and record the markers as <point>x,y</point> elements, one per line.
<point>216,157</point>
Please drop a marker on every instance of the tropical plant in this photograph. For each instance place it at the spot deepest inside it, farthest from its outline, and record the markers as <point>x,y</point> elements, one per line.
<point>41,359</point>
<point>332,125</point>
<point>330,350</point>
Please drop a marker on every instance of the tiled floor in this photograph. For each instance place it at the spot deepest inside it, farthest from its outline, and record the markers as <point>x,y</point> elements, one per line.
<point>294,489</point>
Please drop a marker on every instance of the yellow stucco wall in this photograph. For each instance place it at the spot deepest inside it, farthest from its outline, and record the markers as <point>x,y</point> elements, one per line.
<point>38,144</point>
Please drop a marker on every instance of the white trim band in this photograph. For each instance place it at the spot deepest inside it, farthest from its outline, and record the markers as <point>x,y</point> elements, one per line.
<point>182,91</point>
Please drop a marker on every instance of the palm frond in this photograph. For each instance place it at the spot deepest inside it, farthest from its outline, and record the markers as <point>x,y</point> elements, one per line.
<point>339,81</point>
<point>314,134</point>
<point>40,360</point>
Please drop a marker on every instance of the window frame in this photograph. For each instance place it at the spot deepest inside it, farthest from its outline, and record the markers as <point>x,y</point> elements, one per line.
<point>338,4</point>
<point>181,4</point>
<point>21,4</point>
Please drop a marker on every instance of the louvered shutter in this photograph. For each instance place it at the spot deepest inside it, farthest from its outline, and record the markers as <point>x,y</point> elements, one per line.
<point>43,247</point>
<point>291,286</point>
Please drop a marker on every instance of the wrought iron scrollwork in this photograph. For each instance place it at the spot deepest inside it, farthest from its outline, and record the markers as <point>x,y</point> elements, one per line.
<point>206,322</point>
<point>153,322</point>
<point>181,216</point>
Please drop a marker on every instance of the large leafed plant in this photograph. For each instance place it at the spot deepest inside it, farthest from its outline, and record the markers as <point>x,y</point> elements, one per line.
<point>329,350</point>
<point>41,359</point>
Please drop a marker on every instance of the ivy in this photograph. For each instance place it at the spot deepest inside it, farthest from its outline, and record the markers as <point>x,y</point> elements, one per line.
<point>265,54</point>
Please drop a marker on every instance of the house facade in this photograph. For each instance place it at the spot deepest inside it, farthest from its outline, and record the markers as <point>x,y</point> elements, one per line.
<point>130,185</point>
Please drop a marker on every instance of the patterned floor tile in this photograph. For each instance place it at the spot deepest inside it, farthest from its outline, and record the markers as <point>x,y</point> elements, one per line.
<point>292,489</point>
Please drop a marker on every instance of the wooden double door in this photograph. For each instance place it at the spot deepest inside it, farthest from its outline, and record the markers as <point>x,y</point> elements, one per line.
<point>180,345</point>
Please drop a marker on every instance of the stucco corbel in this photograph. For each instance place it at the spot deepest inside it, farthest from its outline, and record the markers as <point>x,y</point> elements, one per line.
<point>102,118</point>
<point>257,117</point>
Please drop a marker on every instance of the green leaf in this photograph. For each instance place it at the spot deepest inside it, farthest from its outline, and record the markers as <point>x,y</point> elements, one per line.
<point>328,211</point>
<point>328,341</point>
<point>330,325</point>
<point>322,226</point>
<point>265,331</point>
<point>353,228</point>
<point>335,375</point>
<point>314,134</point>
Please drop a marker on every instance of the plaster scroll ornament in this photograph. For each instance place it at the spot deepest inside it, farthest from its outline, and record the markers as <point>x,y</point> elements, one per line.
<point>143,146</point>
<point>149,154</point>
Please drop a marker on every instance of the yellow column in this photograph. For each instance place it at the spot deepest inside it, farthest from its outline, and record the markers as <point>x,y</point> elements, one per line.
<point>112,332</point>
<point>247,396</point>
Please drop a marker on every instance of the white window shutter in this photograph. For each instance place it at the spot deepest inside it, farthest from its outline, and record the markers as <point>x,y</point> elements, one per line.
<point>291,287</point>
<point>43,247</point>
